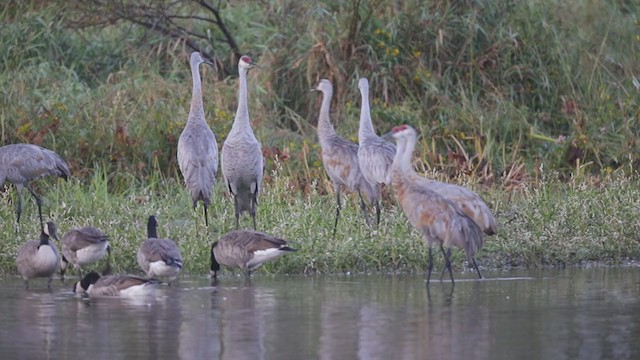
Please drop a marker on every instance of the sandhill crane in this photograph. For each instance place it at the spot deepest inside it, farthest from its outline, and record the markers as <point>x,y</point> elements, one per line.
<point>39,258</point>
<point>375,154</point>
<point>247,250</point>
<point>431,208</point>
<point>22,163</point>
<point>95,285</point>
<point>82,246</point>
<point>340,156</point>
<point>157,257</point>
<point>197,146</point>
<point>241,158</point>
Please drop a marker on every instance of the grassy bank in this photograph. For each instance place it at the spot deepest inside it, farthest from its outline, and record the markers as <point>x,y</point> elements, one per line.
<point>556,224</point>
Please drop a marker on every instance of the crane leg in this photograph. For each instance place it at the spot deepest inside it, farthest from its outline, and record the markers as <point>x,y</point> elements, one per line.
<point>206,216</point>
<point>235,200</point>
<point>38,202</point>
<point>335,224</point>
<point>444,267</point>
<point>377,212</point>
<point>253,217</point>
<point>447,263</point>
<point>19,206</point>
<point>477,268</point>
<point>363,206</point>
<point>254,205</point>
<point>430,266</point>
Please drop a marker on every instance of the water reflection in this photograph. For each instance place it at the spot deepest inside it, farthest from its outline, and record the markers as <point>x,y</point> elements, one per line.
<point>552,314</point>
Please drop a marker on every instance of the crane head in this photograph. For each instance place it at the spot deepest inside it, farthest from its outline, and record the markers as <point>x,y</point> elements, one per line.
<point>399,131</point>
<point>324,86</point>
<point>363,84</point>
<point>246,63</point>
<point>197,59</point>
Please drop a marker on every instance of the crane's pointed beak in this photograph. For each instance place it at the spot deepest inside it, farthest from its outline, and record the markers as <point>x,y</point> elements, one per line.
<point>208,62</point>
<point>388,136</point>
<point>313,89</point>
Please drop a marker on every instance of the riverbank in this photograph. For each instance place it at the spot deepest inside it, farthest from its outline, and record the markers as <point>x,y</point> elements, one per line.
<point>554,224</point>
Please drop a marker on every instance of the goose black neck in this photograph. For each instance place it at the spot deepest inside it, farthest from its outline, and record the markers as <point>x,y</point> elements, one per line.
<point>152,226</point>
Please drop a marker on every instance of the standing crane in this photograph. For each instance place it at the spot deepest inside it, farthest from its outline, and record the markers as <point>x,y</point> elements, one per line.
<point>375,154</point>
<point>197,146</point>
<point>340,157</point>
<point>447,215</point>
<point>241,158</point>
<point>22,163</point>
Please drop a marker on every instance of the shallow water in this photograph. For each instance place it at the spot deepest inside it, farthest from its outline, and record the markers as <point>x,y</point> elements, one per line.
<point>578,313</point>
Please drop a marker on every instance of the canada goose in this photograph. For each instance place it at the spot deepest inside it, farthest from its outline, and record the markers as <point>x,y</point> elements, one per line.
<point>246,249</point>
<point>159,258</point>
<point>95,285</point>
<point>82,246</point>
<point>39,258</point>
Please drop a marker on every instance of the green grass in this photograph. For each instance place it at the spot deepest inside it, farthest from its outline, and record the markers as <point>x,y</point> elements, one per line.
<point>556,224</point>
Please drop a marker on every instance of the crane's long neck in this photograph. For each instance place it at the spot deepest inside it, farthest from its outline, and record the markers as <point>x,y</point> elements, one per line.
<point>404,154</point>
<point>325,129</point>
<point>242,114</point>
<point>196,112</point>
<point>366,128</point>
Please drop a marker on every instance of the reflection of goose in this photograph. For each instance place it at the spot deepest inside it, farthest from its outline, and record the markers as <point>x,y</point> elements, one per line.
<point>113,285</point>
<point>247,250</point>
<point>243,326</point>
<point>39,258</point>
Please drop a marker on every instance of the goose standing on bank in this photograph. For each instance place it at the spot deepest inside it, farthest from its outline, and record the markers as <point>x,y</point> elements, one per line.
<point>241,159</point>
<point>375,154</point>
<point>157,257</point>
<point>95,285</point>
<point>340,157</point>
<point>22,163</point>
<point>246,250</point>
<point>197,146</point>
<point>39,258</point>
<point>83,246</point>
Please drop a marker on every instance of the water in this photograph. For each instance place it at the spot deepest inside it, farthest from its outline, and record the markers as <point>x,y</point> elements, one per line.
<point>580,313</point>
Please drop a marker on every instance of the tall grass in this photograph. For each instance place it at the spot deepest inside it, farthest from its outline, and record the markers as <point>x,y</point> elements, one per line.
<point>491,85</point>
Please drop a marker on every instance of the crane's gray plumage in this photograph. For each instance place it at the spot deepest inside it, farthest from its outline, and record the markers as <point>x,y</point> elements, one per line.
<point>247,250</point>
<point>82,246</point>
<point>375,155</point>
<point>22,163</point>
<point>39,258</point>
<point>197,146</point>
<point>441,220</point>
<point>157,257</point>
<point>241,158</point>
<point>95,285</point>
<point>340,157</point>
